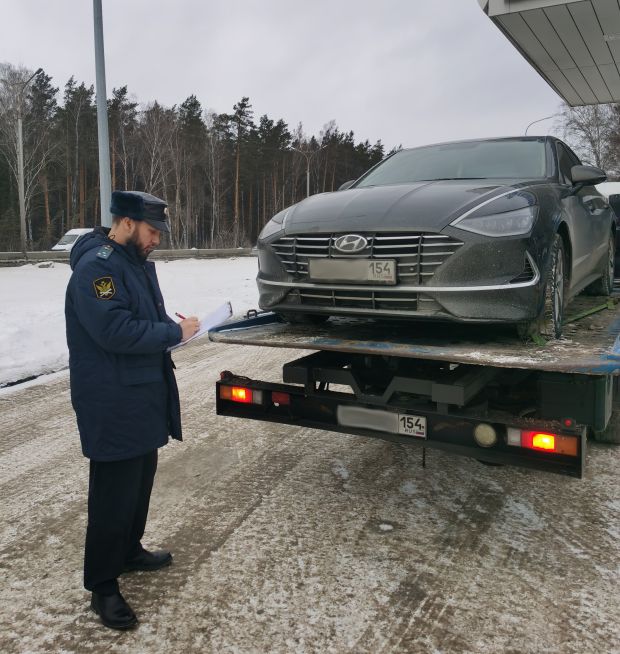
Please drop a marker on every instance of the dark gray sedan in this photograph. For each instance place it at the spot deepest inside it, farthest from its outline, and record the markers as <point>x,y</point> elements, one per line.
<point>495,231</point>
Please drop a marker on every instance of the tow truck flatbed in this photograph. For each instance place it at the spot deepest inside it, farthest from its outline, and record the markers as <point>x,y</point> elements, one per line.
<point>475,390</point>
<point>590,345</point>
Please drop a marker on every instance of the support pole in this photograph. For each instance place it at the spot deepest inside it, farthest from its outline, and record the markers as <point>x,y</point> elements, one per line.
<point>105,190</point>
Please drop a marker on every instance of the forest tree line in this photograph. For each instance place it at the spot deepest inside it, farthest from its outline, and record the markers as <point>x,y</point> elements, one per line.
<point>223,175</point>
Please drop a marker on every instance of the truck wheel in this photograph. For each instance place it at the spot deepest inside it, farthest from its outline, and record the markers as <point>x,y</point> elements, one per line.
<point>605,284</point>
<point>611,434</point>
<point>305,318</point>
<point>549,321</point>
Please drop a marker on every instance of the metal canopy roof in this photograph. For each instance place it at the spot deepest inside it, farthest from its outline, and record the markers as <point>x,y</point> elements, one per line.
<point>573,44</point>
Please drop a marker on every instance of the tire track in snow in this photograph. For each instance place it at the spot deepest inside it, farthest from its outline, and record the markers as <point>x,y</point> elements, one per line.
<point>291,539</point>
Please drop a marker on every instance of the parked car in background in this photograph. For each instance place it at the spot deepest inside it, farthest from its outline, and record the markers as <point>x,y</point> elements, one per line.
<point>495,231</point>
<point>611,190</point>
<point>71,238</point>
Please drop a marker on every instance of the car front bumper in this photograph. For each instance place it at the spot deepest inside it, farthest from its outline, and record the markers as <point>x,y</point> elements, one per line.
<point>503,285</point>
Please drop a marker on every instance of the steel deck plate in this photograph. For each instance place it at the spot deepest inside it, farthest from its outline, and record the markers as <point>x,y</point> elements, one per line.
<point>590,345</point>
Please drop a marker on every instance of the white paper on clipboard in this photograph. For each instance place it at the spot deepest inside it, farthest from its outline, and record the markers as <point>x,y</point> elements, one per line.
<point>211,320</point>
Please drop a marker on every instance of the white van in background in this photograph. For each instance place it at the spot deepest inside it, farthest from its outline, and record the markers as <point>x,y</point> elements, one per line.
<point>71,238</point>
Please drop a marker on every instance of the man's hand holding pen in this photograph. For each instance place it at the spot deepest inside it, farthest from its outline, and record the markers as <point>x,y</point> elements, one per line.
<point>189,326</point>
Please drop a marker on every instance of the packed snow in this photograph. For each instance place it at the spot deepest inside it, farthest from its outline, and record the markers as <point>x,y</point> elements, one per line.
<point>32,321</point>
<point>285,538</point>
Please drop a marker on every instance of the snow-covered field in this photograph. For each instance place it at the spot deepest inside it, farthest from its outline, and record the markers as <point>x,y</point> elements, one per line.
<point>32,322</point>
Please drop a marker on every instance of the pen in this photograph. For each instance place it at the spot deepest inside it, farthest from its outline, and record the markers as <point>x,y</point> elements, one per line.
<point>179,315</point>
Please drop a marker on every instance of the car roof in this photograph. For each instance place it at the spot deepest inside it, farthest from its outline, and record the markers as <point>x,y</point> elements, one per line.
<point>80,230</point>
<point>544,137</point>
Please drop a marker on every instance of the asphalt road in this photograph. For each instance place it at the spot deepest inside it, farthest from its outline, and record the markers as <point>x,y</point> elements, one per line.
<point>294,540</point>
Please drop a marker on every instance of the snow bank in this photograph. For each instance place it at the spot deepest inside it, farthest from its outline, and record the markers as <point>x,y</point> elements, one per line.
<point>32,321</point>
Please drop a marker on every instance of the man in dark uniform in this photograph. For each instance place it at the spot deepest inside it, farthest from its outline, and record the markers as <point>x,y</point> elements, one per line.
<point>123,390</point>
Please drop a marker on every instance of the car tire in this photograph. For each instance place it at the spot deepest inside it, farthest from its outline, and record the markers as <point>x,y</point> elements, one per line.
<point>305,318</point>
<point>605,284</point>
<point>548,323</point>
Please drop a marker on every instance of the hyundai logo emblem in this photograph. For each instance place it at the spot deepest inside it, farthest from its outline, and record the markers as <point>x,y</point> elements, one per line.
<point>350,243</point>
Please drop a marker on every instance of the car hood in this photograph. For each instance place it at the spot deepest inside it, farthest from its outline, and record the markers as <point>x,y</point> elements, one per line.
<point>419,206</point>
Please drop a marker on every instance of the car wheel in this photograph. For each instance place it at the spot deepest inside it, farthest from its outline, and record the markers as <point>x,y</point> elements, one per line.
<point>548,323</point>
<point>605,284</point>
<point>305,318</point>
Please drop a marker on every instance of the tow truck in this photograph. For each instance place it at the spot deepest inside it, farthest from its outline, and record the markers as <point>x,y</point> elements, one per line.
<point>473,390</point>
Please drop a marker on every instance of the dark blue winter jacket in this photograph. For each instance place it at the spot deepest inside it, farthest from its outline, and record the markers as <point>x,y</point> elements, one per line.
<point>123,387</point>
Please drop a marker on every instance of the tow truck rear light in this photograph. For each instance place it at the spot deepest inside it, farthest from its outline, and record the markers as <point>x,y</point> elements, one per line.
<point>543,441</point>
<point>241,394</point>
<point>238,394</point>
<point>280,399</point>
<point>540,441</point>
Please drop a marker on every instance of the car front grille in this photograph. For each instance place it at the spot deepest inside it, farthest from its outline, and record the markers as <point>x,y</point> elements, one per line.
<point>363,300</point>
<point>417,255</point>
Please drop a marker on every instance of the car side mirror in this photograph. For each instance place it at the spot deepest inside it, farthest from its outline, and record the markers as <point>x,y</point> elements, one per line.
<point>587,175</point>
<point>346,185</point>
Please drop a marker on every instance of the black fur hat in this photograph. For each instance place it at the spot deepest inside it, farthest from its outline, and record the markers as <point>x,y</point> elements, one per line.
<point>141,206</point>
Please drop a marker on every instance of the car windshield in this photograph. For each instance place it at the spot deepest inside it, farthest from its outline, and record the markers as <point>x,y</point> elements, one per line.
<point>518,159</point>
<point>67,239</point>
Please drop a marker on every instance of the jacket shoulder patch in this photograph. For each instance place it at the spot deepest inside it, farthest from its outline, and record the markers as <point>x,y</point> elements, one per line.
<point>105,251</point>
<point>104,288</point>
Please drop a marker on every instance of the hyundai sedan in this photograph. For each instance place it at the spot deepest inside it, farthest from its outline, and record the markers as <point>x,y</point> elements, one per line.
<point>494,231</point>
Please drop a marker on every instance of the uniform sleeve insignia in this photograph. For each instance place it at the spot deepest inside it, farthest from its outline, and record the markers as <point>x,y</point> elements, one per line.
<point>104,288</point>
<point>105,251</point>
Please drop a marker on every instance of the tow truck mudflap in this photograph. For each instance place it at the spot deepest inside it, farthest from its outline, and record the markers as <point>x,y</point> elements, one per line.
<point>550,446</point>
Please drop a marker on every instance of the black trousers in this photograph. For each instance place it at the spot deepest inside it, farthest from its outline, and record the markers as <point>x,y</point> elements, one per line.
<point>118,504</point>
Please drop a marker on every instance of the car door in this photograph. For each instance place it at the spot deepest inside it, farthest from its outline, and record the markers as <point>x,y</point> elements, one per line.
<point>586,216</point>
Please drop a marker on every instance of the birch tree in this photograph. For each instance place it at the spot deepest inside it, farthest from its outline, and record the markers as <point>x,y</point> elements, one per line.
<point>16,104</point>
<point>588,129</point>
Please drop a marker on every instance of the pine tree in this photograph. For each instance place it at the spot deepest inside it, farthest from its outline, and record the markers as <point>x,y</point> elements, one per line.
<point>242,118</point>
<point>123,122</point>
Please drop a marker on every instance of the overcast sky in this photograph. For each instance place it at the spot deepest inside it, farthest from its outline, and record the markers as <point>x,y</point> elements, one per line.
<point>407,72</point>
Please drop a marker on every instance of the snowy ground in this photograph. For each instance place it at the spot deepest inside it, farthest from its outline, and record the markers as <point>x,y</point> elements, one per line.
<point>32,322</point>
<point>294,540</point>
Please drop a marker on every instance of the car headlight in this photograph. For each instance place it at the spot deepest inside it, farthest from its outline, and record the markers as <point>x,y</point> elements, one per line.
<point>507,223</point>
<point>276,224</point>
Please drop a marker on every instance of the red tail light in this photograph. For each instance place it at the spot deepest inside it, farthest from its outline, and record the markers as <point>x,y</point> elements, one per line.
<point>540,441</point>
<point>543,441</point>
<point>282,399</point>
<point>241,394</point>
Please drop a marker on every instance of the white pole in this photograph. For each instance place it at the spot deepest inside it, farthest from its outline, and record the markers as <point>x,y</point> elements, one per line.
<point>105,189</point>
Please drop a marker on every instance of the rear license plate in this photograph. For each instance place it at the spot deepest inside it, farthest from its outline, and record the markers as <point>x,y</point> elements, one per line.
<point>393,423</point>
<point>379,271</point>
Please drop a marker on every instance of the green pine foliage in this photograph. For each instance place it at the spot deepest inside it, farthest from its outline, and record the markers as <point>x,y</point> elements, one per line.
<point>223,175</point>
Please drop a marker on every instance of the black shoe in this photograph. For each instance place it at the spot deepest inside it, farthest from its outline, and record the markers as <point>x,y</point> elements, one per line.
<point>148,561</point>
<point>113,611</point>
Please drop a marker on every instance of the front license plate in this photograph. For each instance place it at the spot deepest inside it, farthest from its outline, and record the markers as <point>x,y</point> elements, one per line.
<point>379,271</point>
<point>386,421</point>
